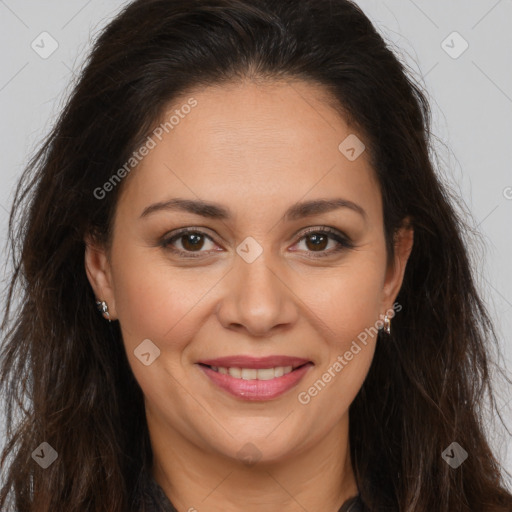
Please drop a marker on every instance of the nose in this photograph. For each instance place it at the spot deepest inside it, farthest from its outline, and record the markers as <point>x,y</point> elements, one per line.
<point>257,299</point>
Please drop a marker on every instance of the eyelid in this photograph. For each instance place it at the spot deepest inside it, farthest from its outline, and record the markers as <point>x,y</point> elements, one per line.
<point>167,241</point>
<point>335,234</point>
<point>344,241</point>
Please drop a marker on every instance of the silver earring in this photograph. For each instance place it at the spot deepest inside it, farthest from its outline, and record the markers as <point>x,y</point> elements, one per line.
<point>103,308</point>
<point>387,324</point>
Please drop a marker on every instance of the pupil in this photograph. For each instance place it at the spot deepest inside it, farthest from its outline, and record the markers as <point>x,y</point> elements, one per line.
<point>193,241</point>
<point>194,244</point>
<point>318,243</point>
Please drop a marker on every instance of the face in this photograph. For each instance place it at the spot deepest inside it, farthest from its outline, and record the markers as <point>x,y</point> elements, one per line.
<point>258,324</point>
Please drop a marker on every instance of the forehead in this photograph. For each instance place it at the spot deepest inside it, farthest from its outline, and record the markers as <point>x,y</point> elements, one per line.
<point>250,144</point>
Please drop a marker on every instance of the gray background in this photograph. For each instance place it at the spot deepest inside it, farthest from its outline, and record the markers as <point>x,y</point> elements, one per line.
<point>471,98</point>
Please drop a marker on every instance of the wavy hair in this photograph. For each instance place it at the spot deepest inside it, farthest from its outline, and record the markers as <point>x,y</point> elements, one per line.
<point>64,372</point>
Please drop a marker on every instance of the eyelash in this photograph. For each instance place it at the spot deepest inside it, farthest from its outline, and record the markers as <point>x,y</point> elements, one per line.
<point>343,241</point>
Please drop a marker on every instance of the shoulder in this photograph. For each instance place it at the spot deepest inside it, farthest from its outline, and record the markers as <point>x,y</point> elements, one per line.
<point>354,504</point>
<point>151,497</point>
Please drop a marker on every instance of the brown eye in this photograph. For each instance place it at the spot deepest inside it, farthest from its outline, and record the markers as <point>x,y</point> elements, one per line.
<point>317,241</point>
<point>187,243</point>
<point>191,241</point>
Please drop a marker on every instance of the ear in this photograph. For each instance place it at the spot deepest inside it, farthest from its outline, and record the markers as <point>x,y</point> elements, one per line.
<point>98,270</point>
<point>403,242</point>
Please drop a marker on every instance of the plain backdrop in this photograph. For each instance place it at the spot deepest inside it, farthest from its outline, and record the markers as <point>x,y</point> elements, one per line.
<point>460,51</point>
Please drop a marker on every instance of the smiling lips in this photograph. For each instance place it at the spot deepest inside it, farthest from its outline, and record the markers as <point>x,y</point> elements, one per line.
<point>252,378</point>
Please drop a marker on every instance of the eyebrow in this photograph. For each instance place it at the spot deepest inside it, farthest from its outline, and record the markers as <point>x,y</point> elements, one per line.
<point>215,211</point>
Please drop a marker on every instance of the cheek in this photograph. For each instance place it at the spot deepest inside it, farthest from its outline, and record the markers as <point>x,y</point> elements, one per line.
<point>346,301</point>
<point>348,313</point>
<point>152,299</point>
<point>157,303</point>
<point>347,306</point>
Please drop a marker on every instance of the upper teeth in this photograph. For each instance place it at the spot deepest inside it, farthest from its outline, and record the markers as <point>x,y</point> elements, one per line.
<point>253,373</point>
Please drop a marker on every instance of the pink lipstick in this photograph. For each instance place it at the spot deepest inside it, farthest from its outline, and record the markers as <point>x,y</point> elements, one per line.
<point>255,378</point>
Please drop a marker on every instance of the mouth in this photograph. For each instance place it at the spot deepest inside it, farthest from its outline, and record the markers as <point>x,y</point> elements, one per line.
<point>251,378</point>
<point>254,373</point>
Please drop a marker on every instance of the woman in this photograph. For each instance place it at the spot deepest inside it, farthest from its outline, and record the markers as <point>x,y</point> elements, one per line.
<point>288,319</point>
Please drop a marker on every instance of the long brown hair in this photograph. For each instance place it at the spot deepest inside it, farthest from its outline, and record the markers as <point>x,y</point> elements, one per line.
<point>64,371</point>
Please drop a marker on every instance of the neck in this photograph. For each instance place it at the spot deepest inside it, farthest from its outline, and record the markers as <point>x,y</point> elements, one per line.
<point>319,477</point>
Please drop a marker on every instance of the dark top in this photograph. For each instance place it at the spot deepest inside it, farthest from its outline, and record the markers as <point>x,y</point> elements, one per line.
<point>155,500</point>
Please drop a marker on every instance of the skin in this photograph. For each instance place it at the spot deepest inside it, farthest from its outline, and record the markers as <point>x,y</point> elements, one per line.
<point>255,149</point>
